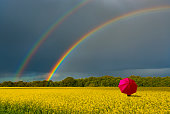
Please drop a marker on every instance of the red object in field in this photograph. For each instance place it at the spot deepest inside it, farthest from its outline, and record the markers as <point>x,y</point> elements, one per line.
<point>127,86</point>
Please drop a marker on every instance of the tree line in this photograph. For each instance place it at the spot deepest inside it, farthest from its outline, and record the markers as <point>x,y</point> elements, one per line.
<point>104,81</point>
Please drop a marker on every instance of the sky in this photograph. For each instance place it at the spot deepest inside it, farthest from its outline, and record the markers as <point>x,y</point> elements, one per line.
<point>138,45</point>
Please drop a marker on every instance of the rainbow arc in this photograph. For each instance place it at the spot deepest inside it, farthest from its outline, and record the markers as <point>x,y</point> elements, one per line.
<point>44,37</point>
<point>93,31</point>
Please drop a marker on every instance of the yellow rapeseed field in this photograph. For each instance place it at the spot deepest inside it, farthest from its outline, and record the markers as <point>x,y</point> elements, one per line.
<point>101,100</point>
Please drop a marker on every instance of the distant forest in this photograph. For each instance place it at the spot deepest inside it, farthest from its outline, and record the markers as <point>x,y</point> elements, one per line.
<point>104,81</point>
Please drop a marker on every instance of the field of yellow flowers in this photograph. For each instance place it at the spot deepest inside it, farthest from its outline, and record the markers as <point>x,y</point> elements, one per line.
<point>101,100</point>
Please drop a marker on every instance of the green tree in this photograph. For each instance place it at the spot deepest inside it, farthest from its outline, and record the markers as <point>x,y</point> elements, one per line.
<point>69,82</point>
<point>7,84</point>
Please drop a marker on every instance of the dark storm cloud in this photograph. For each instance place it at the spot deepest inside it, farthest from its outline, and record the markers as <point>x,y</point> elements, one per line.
<point>136,43</point>
<point>23,22</point>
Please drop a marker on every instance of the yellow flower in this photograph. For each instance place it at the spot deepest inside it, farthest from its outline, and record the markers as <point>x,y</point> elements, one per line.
<point>107,100</point>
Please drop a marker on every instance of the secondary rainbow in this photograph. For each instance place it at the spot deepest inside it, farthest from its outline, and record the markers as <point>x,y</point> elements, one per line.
<point>35,47</point>
<point>113,20</point>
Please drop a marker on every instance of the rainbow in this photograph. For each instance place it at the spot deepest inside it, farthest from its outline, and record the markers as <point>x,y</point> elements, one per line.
<point>40,41</point>
<point>113,20</point>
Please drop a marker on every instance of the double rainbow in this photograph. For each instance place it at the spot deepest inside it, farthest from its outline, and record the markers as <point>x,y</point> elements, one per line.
<point>35,47</point>
<point>113,20</point>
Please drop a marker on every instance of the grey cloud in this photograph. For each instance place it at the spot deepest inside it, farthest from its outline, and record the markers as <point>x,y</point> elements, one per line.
<point>139,42</point>
<point>23,22</point>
